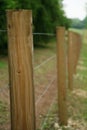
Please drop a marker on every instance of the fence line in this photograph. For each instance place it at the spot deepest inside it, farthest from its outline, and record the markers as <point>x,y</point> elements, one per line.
<point>18,80</point>
<point>45,90</point>
<point>37,67</point>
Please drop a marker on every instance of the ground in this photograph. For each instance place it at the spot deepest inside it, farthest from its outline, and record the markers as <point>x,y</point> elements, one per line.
<point>44,83</point>
<point>46,91</point>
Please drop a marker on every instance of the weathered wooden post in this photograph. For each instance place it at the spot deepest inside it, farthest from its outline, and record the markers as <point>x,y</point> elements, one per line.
<point>77,46</point>
<point>19,24</point>
<point>61,75</point>
<point>74,47</point>
<point>70,60</point>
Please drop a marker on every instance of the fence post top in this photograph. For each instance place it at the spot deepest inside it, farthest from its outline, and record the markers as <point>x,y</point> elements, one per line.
<point>18,10</point>
<point>60,27</point>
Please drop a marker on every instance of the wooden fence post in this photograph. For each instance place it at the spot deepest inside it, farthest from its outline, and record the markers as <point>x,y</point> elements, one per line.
<point>77,47</point>
<point>19,24</point>
<point>61,75</point>
<point>74,47</point>
<point>75,51</point>
<point>70,60</point>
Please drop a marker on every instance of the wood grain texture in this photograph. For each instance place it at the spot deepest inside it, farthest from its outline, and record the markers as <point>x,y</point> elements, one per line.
<point>70,59</point>
<point>19,24</point>
<point>74,48</point>
<point>61,76</point>
<point>77,45</point>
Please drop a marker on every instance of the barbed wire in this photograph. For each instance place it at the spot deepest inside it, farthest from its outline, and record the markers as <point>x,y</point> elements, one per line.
<point>45,90</point>
<point>37,67</point>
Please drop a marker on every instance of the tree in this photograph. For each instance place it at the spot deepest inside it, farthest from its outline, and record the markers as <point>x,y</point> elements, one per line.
<point>47,14</point>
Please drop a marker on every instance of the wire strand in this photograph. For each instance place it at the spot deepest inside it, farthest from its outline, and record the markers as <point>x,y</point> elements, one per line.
<point>37,33</point>
<point>45,90</point>
<point>37,67</point>
<point>45,34</point>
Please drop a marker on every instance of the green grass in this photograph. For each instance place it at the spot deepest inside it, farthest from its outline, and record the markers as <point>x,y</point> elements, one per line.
<point>3,64</point>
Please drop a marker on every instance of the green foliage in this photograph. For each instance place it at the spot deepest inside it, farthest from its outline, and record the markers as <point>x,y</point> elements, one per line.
<point>85,22</point>
<point>2,65</point>
<point>4,5</point>
<point>76,23</point>
<point>47,14</point>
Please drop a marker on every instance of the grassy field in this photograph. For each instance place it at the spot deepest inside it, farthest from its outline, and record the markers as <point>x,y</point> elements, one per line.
<point>77,99</point>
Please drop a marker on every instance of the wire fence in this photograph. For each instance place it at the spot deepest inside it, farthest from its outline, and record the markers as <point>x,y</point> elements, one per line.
<point>4,91</point>
<point>37,67</point>
<point>48,86</point>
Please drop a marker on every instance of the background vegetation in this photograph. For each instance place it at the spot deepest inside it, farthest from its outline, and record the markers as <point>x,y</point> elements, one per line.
<point>47,14</point>
<point>79,24</point>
